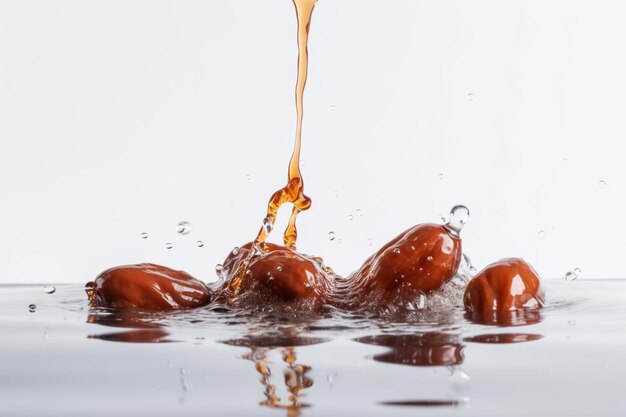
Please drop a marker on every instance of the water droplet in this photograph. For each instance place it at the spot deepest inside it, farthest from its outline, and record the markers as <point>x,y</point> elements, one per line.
<point>49,289</point>
<point>471,96</point>
<point>331,379</point>
<point>235,251</point>
<point>184,228</point>
<point>199,243</point>
<point>430,258</point>
<point>421,301</point>
<point>268,226</point>
<point>440,176</point>
<point>32,308</point>
<point>541,234</point>
<point>396,251</point>
<point>350,217</point>
<point>331,236</point>
<point>144,235</point>
<point>565,161</point>
<point>248,272</point>
<point>336,194</point>
<point>458,218</point>
<point>279,268</point>
<point>89,289</point>
<point>359,212</point>
<point>332,107</point>
<point>573,274</point>
<point>168,245</point>
<point>248,177</point>
<point>602,184</point>
<point>370,241</point>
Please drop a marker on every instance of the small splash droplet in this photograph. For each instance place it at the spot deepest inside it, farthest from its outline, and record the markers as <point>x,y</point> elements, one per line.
<point>565,161</point>
<point>370,241</point>
<point>49,289</point>
<point>144,235</point>
<point>471,96</point>
<point>248,177</point>
<point>573,274</point>
<point>235,251</point>
<point>279,268</point>
<point>32,308</point>
<point>541,234</point>
<point>331,379</point>
<point>602,184</point>
<point>89,289</point>
<point>331,236</point>
<point>396,251</point>
<point>459,215</point>
<point>332,107</point>
<point>199,243</point>
<point>168,245</point>
<point>184,228</point>
<point>359,212</point>
<point>430,258</point>
<point>421,301</point>
<point>350,217</point>
<point>336,194</point>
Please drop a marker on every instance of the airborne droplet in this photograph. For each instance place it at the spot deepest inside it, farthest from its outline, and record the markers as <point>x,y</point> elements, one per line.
<point>458,218</point>
<point>32,308</point>
<point>184,228</point>
<point>168,245</point>
<point>49,289</point>
<point>331,236</point>
<point>144,235</point>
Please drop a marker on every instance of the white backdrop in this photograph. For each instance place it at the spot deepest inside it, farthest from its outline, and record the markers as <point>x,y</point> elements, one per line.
<point>123,117</point>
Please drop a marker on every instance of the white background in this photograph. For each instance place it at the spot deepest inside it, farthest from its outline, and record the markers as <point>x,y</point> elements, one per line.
<point>123,117</point>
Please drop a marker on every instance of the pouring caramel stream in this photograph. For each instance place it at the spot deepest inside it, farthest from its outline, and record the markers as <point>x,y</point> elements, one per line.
<point>293,192</point>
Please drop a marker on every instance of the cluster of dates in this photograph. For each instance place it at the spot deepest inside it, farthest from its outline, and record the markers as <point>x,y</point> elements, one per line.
<point>418,261</point>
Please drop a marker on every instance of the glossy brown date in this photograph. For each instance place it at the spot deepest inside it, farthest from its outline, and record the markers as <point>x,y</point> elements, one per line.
<point>504,290</point>
<point>148,286</point>
<point>278,274</point>
<point>422,258</point>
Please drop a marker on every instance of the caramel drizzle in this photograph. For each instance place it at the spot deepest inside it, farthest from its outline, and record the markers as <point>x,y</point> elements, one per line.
<point>293,192</point>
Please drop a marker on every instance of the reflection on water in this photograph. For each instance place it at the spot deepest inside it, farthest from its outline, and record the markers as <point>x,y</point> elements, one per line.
<point>295,376</point>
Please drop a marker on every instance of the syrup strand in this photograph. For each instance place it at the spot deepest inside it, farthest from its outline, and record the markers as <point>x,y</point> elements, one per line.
<point>293,192</point>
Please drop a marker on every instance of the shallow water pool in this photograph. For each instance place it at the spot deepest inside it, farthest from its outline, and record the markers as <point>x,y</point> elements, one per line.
<point>59,357</point>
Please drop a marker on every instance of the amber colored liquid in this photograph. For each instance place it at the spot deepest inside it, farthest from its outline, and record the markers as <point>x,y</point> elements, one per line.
<point>293,192</point>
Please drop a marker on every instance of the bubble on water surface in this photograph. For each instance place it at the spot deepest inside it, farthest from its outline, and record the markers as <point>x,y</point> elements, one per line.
<point>168,245</point>
<point>459,215</point>
<point>184,228</point>
<point>32,308</point>
<point>49,289</point>
<point>144,235</point>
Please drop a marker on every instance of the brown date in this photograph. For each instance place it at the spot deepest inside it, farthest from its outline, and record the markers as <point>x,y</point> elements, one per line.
<point>148,286</point>
<point>503,291</point>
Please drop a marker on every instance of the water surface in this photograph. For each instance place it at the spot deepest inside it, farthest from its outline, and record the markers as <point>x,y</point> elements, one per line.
<point>67,359</point>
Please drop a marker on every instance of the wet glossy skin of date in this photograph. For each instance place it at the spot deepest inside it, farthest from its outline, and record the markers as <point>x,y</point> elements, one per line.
<point>502,290</point>
<point>150,287</point>
<point>279,274</point>
<point>422,258</point>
